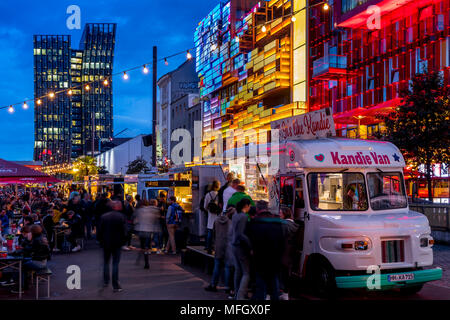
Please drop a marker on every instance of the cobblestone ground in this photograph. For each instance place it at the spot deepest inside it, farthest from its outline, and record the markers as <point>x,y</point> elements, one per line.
<point>442,259</point>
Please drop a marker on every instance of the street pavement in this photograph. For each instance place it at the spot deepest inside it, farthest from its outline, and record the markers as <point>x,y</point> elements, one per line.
<point>168,279</point>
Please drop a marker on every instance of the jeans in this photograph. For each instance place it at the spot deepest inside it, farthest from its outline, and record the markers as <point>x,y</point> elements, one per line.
<point>218,265</point>
<point>157,239</point>
<point>242,273</point>
<point>209,238</point>
<point>30,265</point>
<point>115,253</point>
<point>265,281</point>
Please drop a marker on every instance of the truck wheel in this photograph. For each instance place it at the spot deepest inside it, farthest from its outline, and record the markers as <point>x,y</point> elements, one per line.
<point>322,280</point>
<point>409,291</point>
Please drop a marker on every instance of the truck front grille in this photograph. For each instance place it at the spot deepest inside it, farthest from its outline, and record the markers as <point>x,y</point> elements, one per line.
<point>393,251</point>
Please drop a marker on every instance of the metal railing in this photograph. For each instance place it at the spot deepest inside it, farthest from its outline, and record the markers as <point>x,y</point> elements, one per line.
<point>437,214</point>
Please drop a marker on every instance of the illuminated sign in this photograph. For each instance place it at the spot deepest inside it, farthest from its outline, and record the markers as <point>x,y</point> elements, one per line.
<point>317,124</point>
<point>167,183</point>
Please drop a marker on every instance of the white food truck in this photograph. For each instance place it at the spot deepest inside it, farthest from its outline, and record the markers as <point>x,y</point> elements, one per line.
<point>349,198</point>
<point>188,185</point>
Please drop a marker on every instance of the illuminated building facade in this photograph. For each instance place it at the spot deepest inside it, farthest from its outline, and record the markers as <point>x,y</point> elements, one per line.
<point>363,53</point>
<point>64,122</point>
<point>246,53</point>
<point>252,67</point>
<point>360,61</point>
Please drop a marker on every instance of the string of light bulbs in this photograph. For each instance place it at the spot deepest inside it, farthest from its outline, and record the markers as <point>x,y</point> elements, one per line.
<point>105,81</point>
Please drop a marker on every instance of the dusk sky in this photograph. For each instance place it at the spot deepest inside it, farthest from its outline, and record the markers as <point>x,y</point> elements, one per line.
<point>169,24</point>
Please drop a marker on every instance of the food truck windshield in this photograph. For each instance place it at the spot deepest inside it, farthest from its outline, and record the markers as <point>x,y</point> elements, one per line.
<point>183,191</point>
<point>348,192</point>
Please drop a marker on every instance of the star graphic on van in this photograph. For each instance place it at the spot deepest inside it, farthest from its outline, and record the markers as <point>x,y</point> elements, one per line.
<point>396,157</point>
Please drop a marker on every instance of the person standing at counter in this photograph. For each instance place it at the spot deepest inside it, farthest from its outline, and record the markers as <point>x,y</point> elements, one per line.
<point>212,206</point>
<point>173,220</point>
<point>228,193</point>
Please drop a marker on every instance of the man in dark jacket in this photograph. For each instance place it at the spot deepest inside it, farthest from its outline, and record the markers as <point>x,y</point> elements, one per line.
<point>266,236</point>
<point>75,224</point>
<point>112,235</point>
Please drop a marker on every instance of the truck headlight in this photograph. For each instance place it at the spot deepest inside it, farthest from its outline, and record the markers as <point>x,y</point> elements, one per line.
<point>361,245</point>
<point>424,242</point>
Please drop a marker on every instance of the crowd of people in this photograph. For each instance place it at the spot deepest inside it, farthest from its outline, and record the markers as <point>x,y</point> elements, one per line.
<point>254,249</point>
<point>109,219</point>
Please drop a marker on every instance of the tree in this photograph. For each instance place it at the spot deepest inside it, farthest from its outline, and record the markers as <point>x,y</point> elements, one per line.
<point>137,166</point>
<point>419,126</point>
<point>84,166</point>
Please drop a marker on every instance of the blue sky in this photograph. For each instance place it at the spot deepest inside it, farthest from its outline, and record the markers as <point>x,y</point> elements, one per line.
<point>169,24</point>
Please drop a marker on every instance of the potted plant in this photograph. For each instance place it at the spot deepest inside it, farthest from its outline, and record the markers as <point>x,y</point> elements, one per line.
<point>9,241</point>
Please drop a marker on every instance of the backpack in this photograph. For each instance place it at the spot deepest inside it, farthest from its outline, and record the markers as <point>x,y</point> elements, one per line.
<point>213,207</point>
<point>178,214</point>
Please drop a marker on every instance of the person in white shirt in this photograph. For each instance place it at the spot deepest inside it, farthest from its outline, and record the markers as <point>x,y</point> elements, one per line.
<point>229,192</point>
<point>211,196</point>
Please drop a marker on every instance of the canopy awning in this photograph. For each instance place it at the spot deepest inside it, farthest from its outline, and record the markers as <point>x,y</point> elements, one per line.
<point>14,173</point>
<point>367,116</point>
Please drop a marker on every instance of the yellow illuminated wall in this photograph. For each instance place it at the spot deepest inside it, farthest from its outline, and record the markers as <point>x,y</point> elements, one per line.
<point>300,57</point>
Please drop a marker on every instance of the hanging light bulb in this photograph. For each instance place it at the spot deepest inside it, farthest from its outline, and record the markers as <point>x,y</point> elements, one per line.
<point>11,109</point>
<point>106,82</point>
<point>125,76</point>
<point>87,87</point>
<point>25,105</point>
<point>39,101</point>
<point>51,95</point>
<point>326,7</point>
<point>237,39</point>
<point>145,69</point>
<point>214,47</point>
<point>264,29</point>
<point>293,19</point>
<point>188,55</point>
<point>70,92</point>
<point>166,62</point>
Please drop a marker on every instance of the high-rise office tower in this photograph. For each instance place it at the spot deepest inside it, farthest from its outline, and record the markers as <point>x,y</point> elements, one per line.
<point>52,113</point>
<point>97,43</point>
<point>71,124</point>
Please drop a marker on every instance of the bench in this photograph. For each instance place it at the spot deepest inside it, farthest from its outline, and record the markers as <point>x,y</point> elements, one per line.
<point>42,275</point>
<point>197,255</point>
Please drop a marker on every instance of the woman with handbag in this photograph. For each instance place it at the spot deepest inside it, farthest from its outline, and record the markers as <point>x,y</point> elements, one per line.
<point>213,208</point>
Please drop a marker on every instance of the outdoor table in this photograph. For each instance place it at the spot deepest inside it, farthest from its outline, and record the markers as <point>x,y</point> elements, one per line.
<point>13,262</point>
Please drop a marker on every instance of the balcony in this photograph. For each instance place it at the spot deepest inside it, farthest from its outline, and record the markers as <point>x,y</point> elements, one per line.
<point>330,67</point>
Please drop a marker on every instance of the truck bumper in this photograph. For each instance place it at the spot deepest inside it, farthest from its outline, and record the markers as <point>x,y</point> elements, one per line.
<point>420,277</point>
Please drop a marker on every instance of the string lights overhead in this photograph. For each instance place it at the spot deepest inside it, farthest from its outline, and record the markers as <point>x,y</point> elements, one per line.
<point>89,85</point>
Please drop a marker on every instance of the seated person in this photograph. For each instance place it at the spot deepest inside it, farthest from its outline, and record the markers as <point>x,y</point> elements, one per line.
<point>35,251</point>
<point>76,229</point>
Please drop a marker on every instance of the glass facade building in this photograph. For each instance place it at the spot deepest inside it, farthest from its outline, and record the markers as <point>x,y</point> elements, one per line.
<point>52,115</point>
<point>97,44</point>
<point>66,123</point>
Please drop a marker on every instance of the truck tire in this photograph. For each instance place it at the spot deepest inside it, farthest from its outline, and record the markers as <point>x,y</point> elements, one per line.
<point>322,279</point>
<point>409,291</point>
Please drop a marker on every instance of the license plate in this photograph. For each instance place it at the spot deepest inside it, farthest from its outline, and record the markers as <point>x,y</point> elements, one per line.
<point>401,277</point>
